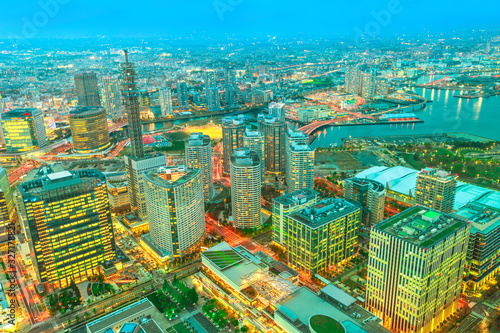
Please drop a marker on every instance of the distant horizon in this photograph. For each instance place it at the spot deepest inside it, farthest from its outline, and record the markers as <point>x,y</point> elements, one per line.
<point>243,19</point>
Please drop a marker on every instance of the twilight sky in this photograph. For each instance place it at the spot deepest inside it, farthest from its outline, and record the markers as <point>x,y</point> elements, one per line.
<point>328,18</point>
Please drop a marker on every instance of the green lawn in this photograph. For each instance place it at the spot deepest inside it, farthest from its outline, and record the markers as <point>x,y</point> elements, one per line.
<point>324,324</point>
<point>180,328</point>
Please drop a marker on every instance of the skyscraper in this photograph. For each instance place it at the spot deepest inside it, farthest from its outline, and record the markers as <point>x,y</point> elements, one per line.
<point>367,84</point>
<point>130,95</point>
<point>213,100</point>
<point>165,97</point>
<point>137,163</point>
<point>176,211</point>
<point>182,95</point>
<point>23,130</point>
<point>296,136</point>
<point>111,97</point>
<point>233,130</point>
<point>275,142</point>
<point>231,90</point>
<point>415,269</point>
<point>321,235</point>
<point>370,195</point>
<point>436,189</point>
<point>87,89</point>
<point>7,210</point>
<point>246,188</point>
<point>352,76</point>
<point>89,129</point>
<point>286,205</point>
<point>254,140</point>
<point>277,110</point>
<point>299,167</point>
<point>199,156</point>
<point>69,224</point>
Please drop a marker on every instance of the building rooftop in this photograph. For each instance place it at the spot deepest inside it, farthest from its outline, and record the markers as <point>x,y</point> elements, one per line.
<point>297,134</point>
<point>233,121</point>
<point>245,157</point>
<point>171,176</point>
<point>46,184</point>
<point>253,133</point>
<point>119,315</point>
<point>301,147</point>
<point>82,112</point>
<point>421,226</point>
<point>300,306</point>
<point>483,219</point>
<point>338,295</point>
<point>323,212</point>
<point>368,183</point>
<point>297,197</point>
<point>21,112</point>
<point>436,173</point>
<point>198,139</point>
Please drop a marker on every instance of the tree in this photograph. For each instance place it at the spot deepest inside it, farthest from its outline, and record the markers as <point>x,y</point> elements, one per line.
<point>69,321</point>
<point>77,318</point>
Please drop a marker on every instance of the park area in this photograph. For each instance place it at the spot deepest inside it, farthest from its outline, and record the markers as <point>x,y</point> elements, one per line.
<point>332,160</point>
<point>474,162</point>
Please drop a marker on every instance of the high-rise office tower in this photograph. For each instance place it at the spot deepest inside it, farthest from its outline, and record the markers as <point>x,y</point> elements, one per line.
<point>87,89</point>
<point>286,205</point>
<point>69,224</point>
<point>321,235</point>
<point>275,142</point>
<point>182,95</point>
<point>367,84</point>
<point>111,97</point>
<point>135,169</point>
<point>299,167</point>
<point>246,188</point>
<point>277,110</point>
<point>165,97</point>
<point>483,263</point>
<point>352,76</point>
<point>176,211</point>
<point>233,130</point>
<point>89,129</point>
<point>415,269</point>
<point>7,210</point>
<point>370,196</point>
<point>199,156</point>
<point>231,89</point>
<point>436,189</point>
<point>254,140</point>
<point>23,130</point>
<point>137,163</point>
<point>213,100</point>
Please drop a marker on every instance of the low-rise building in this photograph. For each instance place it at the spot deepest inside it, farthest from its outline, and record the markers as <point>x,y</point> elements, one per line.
<point>252,288</point>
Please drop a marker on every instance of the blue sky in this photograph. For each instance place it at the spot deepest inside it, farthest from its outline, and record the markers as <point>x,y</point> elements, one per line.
<point>329,18</point>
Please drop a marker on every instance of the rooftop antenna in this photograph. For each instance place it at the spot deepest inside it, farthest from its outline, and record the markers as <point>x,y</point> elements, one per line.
<point>126,55</point>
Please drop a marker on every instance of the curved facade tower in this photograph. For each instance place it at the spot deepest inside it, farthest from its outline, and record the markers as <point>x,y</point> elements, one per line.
<point>176,211</point>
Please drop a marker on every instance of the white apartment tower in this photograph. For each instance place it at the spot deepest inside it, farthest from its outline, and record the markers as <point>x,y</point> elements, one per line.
<point>246,188</point>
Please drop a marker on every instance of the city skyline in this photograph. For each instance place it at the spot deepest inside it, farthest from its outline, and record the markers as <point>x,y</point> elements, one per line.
<point>249,167</point>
